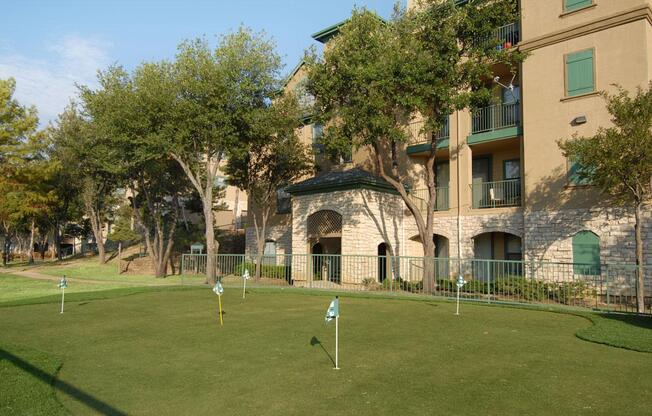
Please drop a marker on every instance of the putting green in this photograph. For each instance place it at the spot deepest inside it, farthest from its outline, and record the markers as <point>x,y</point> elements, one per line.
<point>164,353</point>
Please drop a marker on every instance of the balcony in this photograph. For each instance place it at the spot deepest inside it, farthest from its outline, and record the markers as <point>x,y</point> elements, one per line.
<point>496,194</point>
<point>507,36</point>
<point>420,198</point>
<point>418,140</point>
<point>495,122</point>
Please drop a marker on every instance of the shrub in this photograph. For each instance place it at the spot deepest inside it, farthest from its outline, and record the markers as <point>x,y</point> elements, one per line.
<point>568,292</point>
<point>526,289</point>
<point>271,271</point>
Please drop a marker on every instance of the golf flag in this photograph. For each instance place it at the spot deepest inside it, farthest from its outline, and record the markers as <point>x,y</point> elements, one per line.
<point>63,283</point>
<point>218,289</point>
<point>245,277</point>
<point>461,282</point>
<point>333,310</point>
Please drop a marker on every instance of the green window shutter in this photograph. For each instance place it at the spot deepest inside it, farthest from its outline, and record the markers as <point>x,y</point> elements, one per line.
<point>579,73</point>
<point>586,253</point>
<point>577,174</point>
<point>570,5</point>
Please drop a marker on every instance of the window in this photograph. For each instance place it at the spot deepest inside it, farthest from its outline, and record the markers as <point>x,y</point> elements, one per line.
<point>513,250</point>
<point>577,174</point>
<point>572,5</point>
<point>580,77</point>
<point>283,202</point>
<point>586,253</point>
<point>346,157</point>
<point>511,96</point>
<point>317,132</point>
<point>512,169</point>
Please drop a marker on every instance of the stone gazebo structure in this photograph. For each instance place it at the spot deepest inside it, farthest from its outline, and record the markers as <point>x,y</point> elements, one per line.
<point>339,221</point>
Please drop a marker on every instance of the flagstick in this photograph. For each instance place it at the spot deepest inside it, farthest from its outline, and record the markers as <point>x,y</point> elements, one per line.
<point>220,300</point>
<point>337,341</point>
<point>457,312</point>
<point>63,294</point>
<point>244,288</point>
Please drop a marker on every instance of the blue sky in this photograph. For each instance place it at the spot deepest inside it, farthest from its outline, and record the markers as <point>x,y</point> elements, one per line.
<point>49,45</point>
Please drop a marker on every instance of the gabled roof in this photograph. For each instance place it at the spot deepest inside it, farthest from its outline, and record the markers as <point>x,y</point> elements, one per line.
<point>327,34</point>
<point>291,75</point>
<point>339,181</point>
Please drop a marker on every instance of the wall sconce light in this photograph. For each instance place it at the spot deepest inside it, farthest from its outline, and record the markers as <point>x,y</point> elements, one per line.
<point>579,120</point>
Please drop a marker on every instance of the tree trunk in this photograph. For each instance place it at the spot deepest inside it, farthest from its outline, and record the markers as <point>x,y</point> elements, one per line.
<point>31,244</point>
<point>206,194</point>
<point>210,242</point>
<point>640,260</point>
<point>261,231</point>
<point>57,240</point>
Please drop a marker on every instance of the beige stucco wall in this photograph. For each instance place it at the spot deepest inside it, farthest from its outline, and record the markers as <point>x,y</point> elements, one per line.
<point>544,17</point>
<point>548,114</point>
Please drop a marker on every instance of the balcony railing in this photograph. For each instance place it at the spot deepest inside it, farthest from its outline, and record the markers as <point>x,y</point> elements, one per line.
<point>496,194</point>
<point>420,198</point>
<point>418,136</point>
<point>495,117</point>
<point>508,35</point>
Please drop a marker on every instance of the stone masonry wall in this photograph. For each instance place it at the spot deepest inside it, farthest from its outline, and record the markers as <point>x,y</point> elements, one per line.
<point>549,234</point>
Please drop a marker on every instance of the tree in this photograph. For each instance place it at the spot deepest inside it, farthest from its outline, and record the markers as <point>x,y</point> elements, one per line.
<point>91,158</point>
<point>272,159</point>
<point>218,93</point>
<point>376,75</point>
<point>17,124</point>
<point>132,112</point>
<point>618,161</point>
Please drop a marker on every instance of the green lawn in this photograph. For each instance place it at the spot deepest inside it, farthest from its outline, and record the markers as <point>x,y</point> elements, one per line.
<point>15,287</point>
<point>89,268</point>
<point>162,352</point>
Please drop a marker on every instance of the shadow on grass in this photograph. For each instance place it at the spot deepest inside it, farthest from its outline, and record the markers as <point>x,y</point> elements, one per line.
<point>634,320</point>
<point>72,391</point>
<point>315,341</point>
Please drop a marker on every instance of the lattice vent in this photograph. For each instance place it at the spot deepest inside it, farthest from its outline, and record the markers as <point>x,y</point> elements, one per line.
<point>325,224</point>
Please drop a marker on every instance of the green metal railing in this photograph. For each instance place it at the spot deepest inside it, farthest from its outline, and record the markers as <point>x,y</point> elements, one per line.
<point>496,194</point>
<point>495,117</point>
<point>417,135</point>
<point>420,198</point>
<point>606,287</point>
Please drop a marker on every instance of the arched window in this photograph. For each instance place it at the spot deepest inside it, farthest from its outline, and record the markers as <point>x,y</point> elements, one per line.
<point>586,253</point>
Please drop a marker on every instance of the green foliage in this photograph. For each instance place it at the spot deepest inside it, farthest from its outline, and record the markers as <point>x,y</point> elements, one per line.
<point>401,284</point>
<point>270,271</point>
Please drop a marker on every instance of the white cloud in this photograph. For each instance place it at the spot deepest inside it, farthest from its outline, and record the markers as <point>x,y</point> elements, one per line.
<point>49,83</point>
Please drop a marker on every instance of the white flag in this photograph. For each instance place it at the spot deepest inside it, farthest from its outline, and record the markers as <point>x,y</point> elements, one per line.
<point>333,310</point>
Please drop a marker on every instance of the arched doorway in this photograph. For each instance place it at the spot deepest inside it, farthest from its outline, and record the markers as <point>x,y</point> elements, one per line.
<point>497,254</point>
<point>325,242</point>
<point>442,256</point>
<point>382,262</point>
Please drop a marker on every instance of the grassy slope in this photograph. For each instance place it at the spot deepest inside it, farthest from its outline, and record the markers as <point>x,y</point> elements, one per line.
<point>15,287</point>
<point>163,353</point>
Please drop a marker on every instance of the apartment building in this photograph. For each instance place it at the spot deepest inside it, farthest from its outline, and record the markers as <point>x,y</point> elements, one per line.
<point>505,191</point>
